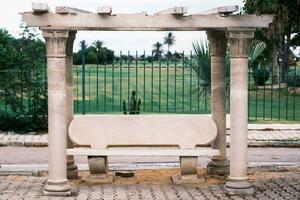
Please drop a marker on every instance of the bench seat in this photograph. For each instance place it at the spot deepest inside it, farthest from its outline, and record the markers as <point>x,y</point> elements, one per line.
<point>203,151</point>
<point>100,136</point>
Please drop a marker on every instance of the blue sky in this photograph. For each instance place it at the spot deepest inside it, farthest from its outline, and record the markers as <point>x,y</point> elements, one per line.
<point>10,19</point>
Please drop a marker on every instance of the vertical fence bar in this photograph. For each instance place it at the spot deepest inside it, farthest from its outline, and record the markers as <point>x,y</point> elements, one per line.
<point>190,81</point>
<point>256,89</point>
<point>105,82</point>
<point>159,85</point>
<point>28,92</point>
<point>272,85</point>
<point>6,91</point>
<point>77,87</point>
<point>168,71</point>
<point>121,108</point>
<point>21,78</point>
<point>144,65</point>
<point>182,89</point>
<point>264,98</point>
<point>175,85</point>
<point>83,82</point>
<point>198,88</point>
<point>89,89</point>
<point>152,82</point>
<point>279,93</point>
<point>128,79</point>
<point>205,98</point>
<point>286,94</point>
<point>294,95</point>
<point>113,82</point>
<point>97,81</point>
<point>136,74</point>
<point>249,93</point>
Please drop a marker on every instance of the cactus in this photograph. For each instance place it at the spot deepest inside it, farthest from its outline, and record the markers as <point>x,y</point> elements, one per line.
<point>134,107</point>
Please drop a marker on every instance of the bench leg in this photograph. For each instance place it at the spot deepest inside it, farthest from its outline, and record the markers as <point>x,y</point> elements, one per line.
<point>188,173</point>
<point>98,167</point>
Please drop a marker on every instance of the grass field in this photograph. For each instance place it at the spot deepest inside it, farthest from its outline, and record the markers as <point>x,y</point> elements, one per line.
<point>163,89</point>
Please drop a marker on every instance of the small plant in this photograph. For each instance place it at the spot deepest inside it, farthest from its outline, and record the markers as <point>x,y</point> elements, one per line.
<point>261,75</point>
<point>134,107</point>
<point>294,77</point>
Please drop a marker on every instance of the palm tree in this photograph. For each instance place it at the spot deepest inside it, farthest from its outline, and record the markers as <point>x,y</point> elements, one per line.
<point>201,65</point>
<point>169,40</point>
<point>83,44</point>
<point>98,44</point>
<point>157,50</point>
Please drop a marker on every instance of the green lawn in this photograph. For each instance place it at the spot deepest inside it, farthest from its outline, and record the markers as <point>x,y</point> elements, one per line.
<point>169,90</point>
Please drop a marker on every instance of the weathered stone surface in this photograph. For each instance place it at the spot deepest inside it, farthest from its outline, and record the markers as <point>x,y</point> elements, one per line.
<point>143,130</point>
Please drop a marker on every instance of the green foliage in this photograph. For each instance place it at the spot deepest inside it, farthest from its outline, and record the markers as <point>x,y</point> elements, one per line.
<point>201,64</point>
<point>169,40</point>
<point>104,55</point>
<point>157,50</point>
<point>134,107</point>
<point>23,93</point>
<point>255,50</point>
<point>294,77</point>
<point>261,75</point>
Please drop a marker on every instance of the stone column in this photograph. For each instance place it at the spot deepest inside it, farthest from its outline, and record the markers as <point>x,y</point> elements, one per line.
<point>239,40</point>
<point>56,41</point>
<point>72,172</point>
<point>219,165</point>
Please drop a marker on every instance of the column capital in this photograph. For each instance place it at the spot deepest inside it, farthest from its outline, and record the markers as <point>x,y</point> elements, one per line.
<point>56,41</point>
<point>239,40</point>
<point>70,42</point>
<point>218,43</point>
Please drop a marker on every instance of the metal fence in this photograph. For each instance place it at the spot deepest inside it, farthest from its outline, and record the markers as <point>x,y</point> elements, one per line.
<point>163,86</point>
<point>175,86</point>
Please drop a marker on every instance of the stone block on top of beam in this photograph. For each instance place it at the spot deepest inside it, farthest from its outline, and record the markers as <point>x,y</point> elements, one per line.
<point>223,10</point>
<point>104,10</point>
<point>40,8</point>
<point>69,10</point>
<point>173,11</point>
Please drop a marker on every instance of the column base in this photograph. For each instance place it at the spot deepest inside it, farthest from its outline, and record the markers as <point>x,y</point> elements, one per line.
<point>238,187</point>
<point>99,179</point>
<point>72,172</point>
<point>187,179</point>
<point>57,189</point>
<point>218,167</point>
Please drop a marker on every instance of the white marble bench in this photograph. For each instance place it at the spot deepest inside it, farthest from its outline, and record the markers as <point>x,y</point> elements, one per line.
<point>99,136</point>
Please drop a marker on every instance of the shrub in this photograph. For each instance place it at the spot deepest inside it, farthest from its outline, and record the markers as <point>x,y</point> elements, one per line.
<point>293,77</point>
<point>261,75</point>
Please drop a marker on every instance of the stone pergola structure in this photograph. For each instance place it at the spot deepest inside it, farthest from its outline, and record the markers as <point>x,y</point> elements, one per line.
<point>59,30</point>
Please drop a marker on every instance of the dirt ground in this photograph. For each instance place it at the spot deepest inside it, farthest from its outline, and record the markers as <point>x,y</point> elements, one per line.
<point>163,176</point>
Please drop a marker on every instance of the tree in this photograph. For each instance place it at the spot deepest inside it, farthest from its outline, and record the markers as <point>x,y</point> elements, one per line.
<point>285,23</point>
<point>83,44</point>
<point>169,40</point>
<point>98,44</point>
<point>23,82</point>
<point>157,50</point>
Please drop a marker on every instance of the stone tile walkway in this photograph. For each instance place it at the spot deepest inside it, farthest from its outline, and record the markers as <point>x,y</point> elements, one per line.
<point>30,188</point>
<point>256,138</point>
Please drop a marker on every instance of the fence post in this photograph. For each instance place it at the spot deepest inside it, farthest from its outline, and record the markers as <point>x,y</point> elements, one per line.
<point>83,81</point>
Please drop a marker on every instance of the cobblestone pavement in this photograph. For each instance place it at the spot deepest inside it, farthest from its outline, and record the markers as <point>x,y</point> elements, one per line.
<point>256,138</point>
<point>30,188</point>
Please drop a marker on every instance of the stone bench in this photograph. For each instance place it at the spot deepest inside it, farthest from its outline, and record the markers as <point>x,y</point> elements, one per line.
<point>99,136</point>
